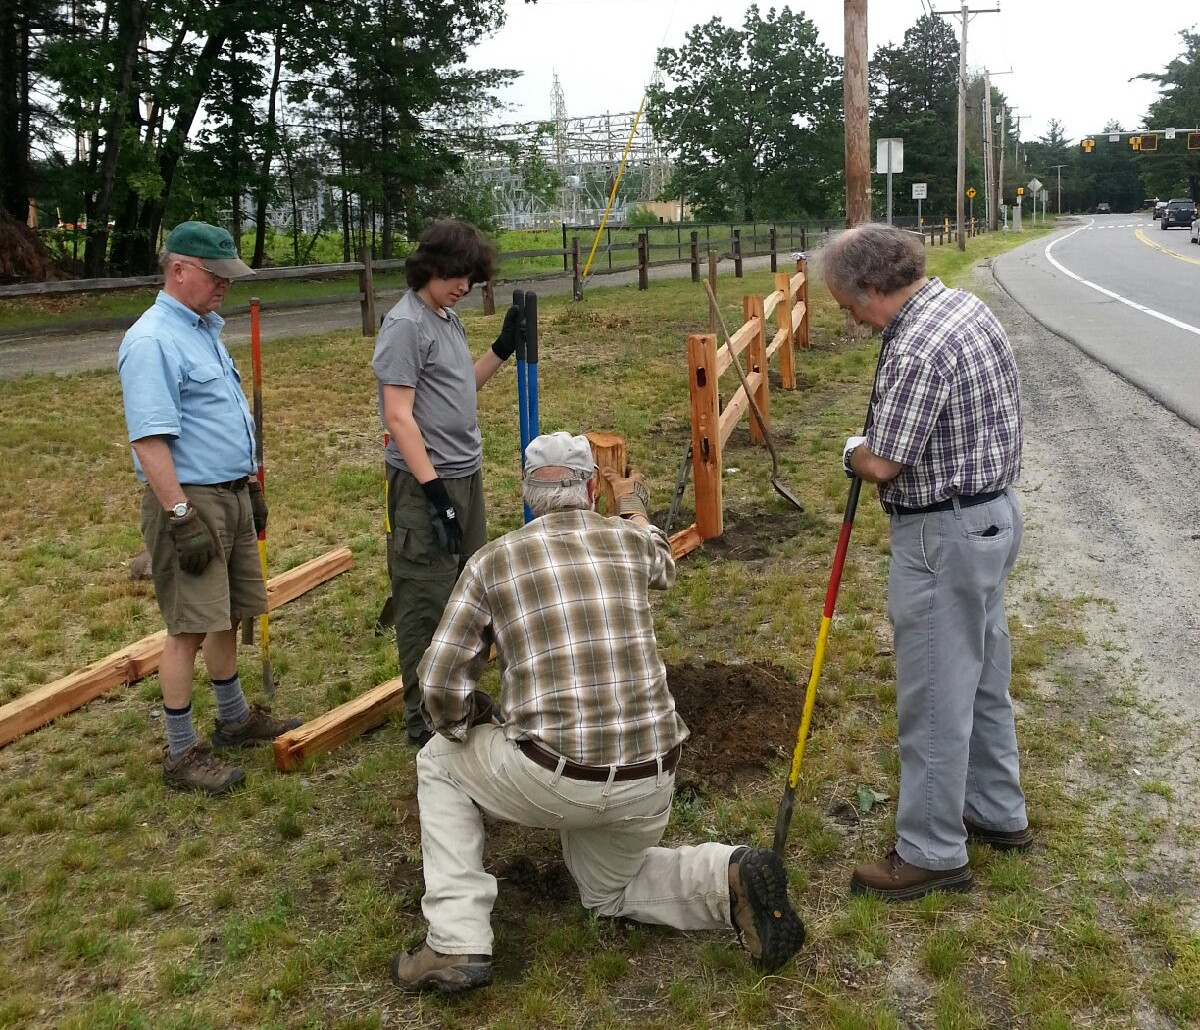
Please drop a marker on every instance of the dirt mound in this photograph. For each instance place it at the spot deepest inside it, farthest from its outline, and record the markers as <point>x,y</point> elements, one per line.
<point>22,256</point>
<point>742,718</point>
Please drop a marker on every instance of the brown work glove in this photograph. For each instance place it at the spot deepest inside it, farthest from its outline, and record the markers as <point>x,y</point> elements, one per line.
<point>258,505</point>
<point>630,492</point>
<point>195,544</point>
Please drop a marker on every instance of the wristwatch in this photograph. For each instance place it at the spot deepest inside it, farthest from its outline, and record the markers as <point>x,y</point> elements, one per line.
<point>179,510</point>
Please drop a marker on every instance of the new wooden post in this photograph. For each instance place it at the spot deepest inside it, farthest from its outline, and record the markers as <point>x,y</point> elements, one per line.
<point>366,285</point>
<point>756,358</point>
<point>783,322</point>
<point>802,298</point>
<point>706,434</point>
<point>608,451</point>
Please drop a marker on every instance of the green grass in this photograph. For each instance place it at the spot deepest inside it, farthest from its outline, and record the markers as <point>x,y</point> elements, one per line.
<point>125,905</point>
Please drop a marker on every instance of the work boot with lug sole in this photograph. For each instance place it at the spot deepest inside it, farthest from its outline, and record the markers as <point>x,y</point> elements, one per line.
<point>423,969</point>
<point>893,879</point>
<point>759,908</point>
<point>259,727</point>
<point>198,769</point>
<point>999,840</point>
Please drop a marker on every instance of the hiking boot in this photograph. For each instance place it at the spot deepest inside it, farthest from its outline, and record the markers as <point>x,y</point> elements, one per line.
<point>258,727</point>
<point>893,879</point>
<point>760,910</point>
<point>200,770</point>
<point>1001,840</point>
<point>423,969</point>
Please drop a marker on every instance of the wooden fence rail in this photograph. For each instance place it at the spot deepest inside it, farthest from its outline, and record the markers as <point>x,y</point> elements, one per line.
<point>711,425</point>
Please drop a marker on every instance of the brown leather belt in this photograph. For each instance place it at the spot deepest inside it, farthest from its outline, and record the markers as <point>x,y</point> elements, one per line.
<point>599,773</point>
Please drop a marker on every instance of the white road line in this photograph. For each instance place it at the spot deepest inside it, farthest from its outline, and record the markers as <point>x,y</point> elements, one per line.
<point>1109,293</point>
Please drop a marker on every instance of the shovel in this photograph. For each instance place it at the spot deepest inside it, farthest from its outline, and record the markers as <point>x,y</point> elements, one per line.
<point>780,489</point>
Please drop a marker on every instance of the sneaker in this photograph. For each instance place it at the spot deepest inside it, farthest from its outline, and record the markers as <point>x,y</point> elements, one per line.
<point>200,770</point>
<point>258,727</point>
<point>760,910</point>
<point>893,879</point>
<point>1001,840</point>
<point>423,969</point>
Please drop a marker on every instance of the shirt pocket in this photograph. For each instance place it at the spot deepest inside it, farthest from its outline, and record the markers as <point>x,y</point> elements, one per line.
<point>201,376</point>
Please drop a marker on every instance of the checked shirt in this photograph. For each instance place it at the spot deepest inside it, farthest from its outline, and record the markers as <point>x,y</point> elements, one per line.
<point>947,403</point>
<point>565,600</point>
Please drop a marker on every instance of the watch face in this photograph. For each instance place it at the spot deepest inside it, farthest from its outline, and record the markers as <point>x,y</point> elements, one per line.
<point>180,510</point>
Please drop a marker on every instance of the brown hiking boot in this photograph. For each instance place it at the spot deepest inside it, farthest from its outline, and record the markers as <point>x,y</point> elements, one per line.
<point>893,879</point>
<point>259,727</point>
<point>423,969</point>
<point>760,910</point>
<point>1001,840</point>
<point>200,770</point>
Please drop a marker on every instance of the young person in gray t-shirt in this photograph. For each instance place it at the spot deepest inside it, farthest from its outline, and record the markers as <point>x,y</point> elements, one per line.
<point>427,385</point>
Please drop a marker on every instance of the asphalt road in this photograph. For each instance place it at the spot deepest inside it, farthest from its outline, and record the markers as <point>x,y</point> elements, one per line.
<point>1126,294</point>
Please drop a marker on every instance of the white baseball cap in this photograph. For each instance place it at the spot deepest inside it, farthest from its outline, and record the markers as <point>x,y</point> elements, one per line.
<point>560,450</point>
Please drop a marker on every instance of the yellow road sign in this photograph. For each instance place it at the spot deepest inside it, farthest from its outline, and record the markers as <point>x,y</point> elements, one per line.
<point>971,192</point>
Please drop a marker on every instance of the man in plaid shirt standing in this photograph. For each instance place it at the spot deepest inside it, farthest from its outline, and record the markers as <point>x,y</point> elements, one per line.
<point>944,445</point>
<point>589,739</point>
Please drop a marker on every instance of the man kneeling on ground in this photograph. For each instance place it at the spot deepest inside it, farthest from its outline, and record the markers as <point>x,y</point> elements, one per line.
<point>589,740</point>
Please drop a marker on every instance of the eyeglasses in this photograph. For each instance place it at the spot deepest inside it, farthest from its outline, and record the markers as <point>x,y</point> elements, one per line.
<point>218,279</point>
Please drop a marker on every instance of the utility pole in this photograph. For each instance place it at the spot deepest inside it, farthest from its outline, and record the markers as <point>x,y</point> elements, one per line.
<point>1058,171</point>
<point>989,152</point>
<point>962,117</point>
<point>1000,180</point>
<point>856,101</point>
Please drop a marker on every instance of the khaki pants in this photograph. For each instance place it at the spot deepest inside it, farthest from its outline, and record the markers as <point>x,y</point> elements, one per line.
<point>424,572</point>
<point>609,833</point>
<point>231,588</point>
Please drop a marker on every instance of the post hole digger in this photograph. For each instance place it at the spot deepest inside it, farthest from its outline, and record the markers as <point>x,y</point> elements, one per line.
<point>780,489</point>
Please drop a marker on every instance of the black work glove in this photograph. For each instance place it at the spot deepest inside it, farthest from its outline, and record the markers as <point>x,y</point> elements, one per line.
<point>195,545</point>
<point>482,708</point>
<point>443,516</point>
<point>513,326</point>
<point>258,505</point>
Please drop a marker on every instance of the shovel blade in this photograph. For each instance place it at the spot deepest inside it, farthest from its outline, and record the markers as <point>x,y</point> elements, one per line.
<point>787,495</point>
<point>783,819</point>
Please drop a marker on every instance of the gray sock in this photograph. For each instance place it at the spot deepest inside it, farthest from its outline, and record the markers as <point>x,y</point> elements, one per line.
<point>231,702</point>
<point>181,733</point>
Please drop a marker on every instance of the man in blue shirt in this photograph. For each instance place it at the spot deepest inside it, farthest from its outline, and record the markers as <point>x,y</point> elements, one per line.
<point>192,436</point>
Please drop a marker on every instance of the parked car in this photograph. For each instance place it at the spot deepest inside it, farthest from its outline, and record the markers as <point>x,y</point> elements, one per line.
<point>1103,209</point>
<point>1179,211</point>
<point>1196,231</point>
<point>1159,207</point>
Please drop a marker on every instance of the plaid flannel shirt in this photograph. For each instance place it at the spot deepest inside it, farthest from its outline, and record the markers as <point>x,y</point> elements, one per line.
<point>565,600</point>
<point>947,404</point>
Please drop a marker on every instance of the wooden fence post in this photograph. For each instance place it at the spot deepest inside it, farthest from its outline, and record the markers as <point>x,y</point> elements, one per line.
<point>712,281</point>
<point>695,243</point>
<point>771,242</point>
<point>489,297</point>
<point>706,434</point>
<point>608,451</point>
<point>737,253</point>
<point>802,340</point>
<point>366,285</point>
<point>576,284</point>
<point>783,322</point>
<point>643,260</point>
<point>756,358</point>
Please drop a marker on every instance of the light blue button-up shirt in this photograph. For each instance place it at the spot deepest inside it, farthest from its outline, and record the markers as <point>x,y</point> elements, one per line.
<point>179,382</point>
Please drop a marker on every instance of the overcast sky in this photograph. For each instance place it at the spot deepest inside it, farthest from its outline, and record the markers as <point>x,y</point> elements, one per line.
<point>1069,60</point>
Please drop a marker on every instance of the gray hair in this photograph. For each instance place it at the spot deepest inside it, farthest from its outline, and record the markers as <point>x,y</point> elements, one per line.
<point>546,495</point>
<point>165,257</point>
<point>874,254</point>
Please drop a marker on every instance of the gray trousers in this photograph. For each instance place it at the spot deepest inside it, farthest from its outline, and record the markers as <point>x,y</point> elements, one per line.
<point>423,572</point>
<point>958,740</point>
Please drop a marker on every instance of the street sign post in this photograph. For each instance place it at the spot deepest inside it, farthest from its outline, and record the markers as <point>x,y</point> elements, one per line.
<point>971,202</point>
<point>889,158</point>
<point>1033,186</point>
<point>920,190</point>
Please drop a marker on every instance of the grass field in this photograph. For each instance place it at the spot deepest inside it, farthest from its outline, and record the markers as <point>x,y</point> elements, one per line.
<point>125,905</point>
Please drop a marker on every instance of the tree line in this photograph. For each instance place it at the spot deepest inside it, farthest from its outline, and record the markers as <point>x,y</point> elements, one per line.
<point>131,115</point>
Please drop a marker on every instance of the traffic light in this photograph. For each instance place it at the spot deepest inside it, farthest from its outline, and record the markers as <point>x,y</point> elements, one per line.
<point>1194,141</point>
<point>1090,144</point>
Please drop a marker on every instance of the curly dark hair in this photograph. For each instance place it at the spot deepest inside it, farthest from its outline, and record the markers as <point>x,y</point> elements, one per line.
<point>449,249</point>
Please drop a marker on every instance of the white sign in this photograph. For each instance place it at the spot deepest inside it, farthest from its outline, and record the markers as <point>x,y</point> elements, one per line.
<point>1034,185</point>
<point>1170,134</point>
<point>889,155</point>
<point>920,191</point>
<point>1114,137</point>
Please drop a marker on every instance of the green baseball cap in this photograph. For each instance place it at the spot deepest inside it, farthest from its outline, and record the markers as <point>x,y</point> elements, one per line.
<point>211,245</point>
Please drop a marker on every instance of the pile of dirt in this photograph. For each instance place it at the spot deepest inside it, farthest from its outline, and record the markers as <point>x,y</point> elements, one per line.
<point>742,718</point>
<point>23,258</point>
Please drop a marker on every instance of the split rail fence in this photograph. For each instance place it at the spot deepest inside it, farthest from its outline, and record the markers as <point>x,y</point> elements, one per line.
<point>712,425</point>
